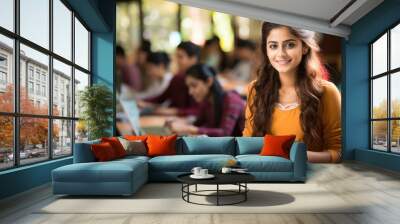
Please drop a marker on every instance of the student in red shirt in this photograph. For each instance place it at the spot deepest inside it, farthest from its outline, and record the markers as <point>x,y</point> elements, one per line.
<point>220,114</point>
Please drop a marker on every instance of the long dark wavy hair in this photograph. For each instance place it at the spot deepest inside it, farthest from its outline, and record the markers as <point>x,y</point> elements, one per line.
<point>265,90</point>
<point>203,72</point>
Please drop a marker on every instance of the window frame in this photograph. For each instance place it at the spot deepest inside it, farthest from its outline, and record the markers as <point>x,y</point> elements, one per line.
<point>388,74</point>
<point>16,115</point>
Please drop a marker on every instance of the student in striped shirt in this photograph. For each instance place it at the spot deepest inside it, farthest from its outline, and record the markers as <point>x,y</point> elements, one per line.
<point>221,113</point>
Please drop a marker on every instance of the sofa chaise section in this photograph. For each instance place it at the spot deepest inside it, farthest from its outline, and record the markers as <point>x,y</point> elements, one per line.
<point>87,177</point>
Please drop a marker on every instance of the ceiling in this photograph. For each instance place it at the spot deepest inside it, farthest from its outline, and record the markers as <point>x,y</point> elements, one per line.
<point>326,16</point>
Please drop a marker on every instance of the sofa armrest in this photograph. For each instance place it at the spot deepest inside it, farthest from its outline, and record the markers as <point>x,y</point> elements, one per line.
<point>83,152</point>
<point>298,155</point>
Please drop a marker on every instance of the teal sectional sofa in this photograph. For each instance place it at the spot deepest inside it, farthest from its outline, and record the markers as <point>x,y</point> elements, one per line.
<point>125,176</point>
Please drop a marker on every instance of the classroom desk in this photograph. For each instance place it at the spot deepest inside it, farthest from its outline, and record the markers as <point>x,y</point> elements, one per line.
<point>154,124</point>
<point>152,121</point>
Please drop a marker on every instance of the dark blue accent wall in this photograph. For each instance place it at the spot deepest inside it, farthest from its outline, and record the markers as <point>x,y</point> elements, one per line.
<point>99,16</point>
<point>356,85</point>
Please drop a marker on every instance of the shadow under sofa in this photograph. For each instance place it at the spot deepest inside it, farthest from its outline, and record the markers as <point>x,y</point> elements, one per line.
<point>126,175</point>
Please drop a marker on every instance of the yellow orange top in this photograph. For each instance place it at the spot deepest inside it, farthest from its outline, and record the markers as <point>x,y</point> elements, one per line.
<point>287,122</point>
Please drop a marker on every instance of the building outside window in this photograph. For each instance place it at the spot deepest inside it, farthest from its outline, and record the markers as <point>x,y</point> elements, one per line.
<point>43,90</point>
<point>30,72</point>
<point>3,61</point>
<point>3,78</point>
<point>38,89</point>
<point>30,87</point>
<point>43,77</point>
<point>3,72</point>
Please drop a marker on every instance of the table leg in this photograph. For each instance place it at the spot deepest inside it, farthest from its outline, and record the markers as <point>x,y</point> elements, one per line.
<point>196,188</point>
<point>245,193</point>
<point>217,194</point>
<point>188,189</point>
<point>182,188</point>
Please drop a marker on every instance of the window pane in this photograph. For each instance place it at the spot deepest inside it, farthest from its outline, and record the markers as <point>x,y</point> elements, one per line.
<point>127,25</point>
<point>395,47</point>
<point>62,89</point>
<point>62,138</point>
<point>379,55</point>
<point>34,72</point>
<point>62,29</point>
<point>395,138</point>
<point>6,74</point>
<point>223,29</point>
<point>81,45</point>
<point>160,24</point>
<point>379,97</point>
<point>243,25</point>
<point>199,18</point>
<point>81,131</point>
<point>379,135</point>
<point>7,14</point>
<point>81,81</point>
<point>395,94</point>
<point>33,139</point>
<point>35,21</point>
<point>6,142</point>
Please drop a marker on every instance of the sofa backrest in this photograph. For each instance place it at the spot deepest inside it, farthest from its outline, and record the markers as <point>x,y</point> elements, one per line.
<point>249,145</point>
<point>206,145</point>
<point>83,152</point>
<point>190,146</point>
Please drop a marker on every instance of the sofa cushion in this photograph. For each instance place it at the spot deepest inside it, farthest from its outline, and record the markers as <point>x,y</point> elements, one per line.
<point>103,152</point>
<point>161,145</point>
<point>132,158</point>
<point>207,145</point>
<point>116,145</point>
<point>133,147</point>
<point>112,171</point>
<point>249,145</point>
<point>277,145</point>
<point>257,163</point>
<point>185,163</point>
<point>142,138</point>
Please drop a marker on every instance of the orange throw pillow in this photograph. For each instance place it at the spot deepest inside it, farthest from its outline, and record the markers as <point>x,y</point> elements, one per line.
<point>116,145</point>
<point>135,138</point>
<point>277,145</point>
<point>161,145</point>
<point>103,152</point>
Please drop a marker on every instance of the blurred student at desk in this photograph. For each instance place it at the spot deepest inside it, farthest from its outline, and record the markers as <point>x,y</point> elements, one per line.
<point>157,68</point>
<point>175,100</point>
<point>221,113</point>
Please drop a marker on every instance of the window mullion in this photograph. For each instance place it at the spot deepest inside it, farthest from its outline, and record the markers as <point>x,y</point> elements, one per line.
<point>50,81</point>
<point>73,82</point>
<point>16,84</point>
<point>389,106</point>
<point>371,89</point>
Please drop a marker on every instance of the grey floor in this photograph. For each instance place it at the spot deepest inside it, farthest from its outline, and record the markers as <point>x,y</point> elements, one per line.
<point>377,188</point>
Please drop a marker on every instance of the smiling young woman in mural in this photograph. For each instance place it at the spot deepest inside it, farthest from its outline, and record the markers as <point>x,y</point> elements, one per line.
<point>291,94</point>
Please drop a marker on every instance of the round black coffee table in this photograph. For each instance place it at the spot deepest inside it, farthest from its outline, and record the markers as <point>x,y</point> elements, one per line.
<point>238,179</point>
